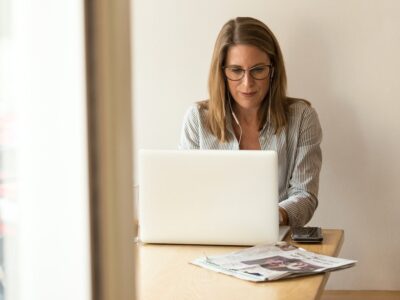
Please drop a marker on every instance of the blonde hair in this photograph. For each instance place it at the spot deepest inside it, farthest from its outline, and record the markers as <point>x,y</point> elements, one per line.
<point>250,31</point>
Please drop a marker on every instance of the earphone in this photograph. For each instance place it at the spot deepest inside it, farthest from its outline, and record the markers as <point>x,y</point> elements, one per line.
<point>270,93</point>
<point>235,118</point>
<point>233,114</point>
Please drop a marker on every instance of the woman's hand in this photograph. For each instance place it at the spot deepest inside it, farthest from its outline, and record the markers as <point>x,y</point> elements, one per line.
<point>283,217</point>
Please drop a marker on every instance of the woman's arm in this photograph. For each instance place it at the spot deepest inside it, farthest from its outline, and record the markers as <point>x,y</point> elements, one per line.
<point>302,198</point>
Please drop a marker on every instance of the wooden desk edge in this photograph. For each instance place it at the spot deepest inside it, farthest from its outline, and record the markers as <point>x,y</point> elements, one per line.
<point>337,250</point>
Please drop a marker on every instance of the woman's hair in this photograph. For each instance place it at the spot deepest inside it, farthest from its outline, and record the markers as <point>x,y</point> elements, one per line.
<point>248,31</point>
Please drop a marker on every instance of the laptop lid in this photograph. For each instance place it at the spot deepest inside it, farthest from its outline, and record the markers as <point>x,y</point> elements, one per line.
<point>208,197</point>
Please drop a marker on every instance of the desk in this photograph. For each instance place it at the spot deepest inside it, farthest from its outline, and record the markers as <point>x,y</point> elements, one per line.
<point>164,272</point>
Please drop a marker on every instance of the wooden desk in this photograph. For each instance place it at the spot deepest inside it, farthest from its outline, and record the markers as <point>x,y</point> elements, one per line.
<point>164,272</point>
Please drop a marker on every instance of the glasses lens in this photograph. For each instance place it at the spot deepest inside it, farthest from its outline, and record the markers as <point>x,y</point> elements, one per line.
<point>259,72</point>
<point>234,73</point>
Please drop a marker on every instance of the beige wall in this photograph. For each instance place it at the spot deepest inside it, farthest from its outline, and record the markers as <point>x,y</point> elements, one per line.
<point>340,55</point>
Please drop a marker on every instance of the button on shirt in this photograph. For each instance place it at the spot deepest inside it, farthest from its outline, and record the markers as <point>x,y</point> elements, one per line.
<point>297,146</point>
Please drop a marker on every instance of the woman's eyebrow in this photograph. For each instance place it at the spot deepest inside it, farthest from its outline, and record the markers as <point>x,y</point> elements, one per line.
<point>253,66</point>
<point>233,65</point>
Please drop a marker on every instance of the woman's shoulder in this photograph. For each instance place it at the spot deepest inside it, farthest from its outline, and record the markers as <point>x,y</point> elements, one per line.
<point>196,112</point>
<point>302,115</point>
<point>298,107</point>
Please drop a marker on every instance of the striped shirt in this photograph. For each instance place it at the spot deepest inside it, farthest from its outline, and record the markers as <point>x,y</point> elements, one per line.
<point>298,148</point>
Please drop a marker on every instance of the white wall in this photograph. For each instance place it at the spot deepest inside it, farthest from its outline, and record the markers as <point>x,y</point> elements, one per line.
<point>343,56</point>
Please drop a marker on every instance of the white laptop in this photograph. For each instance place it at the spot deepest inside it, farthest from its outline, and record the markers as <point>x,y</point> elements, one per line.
<point>209,197</point>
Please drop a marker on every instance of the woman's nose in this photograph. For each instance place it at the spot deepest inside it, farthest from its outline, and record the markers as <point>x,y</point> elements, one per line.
<point>247,79</point>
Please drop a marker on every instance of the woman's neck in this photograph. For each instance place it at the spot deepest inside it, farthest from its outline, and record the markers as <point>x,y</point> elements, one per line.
<point>247,117</point>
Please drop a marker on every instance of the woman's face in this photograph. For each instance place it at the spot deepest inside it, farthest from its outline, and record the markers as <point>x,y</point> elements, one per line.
<point>248,93</point>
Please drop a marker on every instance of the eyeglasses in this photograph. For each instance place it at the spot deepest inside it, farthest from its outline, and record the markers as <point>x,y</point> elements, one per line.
<point>236,73</point>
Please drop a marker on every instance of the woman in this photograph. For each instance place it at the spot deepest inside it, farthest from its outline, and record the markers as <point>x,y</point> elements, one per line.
<point>248,109</point>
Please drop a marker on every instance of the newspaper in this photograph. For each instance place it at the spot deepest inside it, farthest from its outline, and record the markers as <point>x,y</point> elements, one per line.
<point>272,262</point>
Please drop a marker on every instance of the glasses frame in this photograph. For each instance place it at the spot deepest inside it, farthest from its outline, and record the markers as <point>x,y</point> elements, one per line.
<point>270,66</point>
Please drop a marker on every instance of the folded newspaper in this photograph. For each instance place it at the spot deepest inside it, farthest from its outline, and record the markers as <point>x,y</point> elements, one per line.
<point>272,262</point>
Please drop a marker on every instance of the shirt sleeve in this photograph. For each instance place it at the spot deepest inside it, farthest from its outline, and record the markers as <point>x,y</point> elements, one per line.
<point>190,130</point>
<point>302,198</point>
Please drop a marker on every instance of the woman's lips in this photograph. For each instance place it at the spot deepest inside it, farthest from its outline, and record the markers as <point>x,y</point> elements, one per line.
<point>248,94</point>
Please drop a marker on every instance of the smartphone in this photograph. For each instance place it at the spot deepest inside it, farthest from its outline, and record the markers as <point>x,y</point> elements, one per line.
<point>307,234</point>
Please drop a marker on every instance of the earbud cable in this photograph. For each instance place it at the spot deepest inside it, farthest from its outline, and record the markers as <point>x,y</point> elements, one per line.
<point>235,118</point>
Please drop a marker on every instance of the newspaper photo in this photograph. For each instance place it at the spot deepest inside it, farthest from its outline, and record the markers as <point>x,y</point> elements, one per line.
<point>272,262</point>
